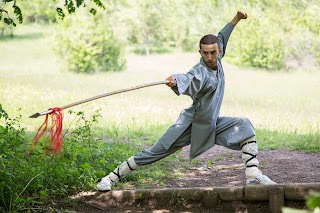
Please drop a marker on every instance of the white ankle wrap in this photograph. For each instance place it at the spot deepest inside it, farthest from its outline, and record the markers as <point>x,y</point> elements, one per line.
<point>124,169</point>
<point>249,152</point>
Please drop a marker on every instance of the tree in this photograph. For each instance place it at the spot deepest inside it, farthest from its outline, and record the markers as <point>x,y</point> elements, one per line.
<point>7,7</point>
<point>39,11</point>
<point>158,25</point>
<point>146,26</point>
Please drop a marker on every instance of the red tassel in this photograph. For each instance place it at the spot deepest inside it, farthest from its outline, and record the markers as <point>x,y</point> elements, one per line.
<point>55,132</point>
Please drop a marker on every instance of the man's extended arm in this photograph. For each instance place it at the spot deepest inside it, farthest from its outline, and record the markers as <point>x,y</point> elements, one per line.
<point>225,33</point>
<point>240,15</point>
<point>223,37</point>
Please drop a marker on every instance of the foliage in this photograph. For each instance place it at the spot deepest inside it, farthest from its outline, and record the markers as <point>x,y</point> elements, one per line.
<point>148,23</point>
<point>262,47</point>
<point>6,30</point>
<point>265,40</point>
<point>268,39</point>
<point>69,7</point>
<point>190,43</point>
<point>310,21</point>
<point>6,15</point>
<point>39,11</point>
<point>29,181</point>
<point>313,200</point>
<point>309,18</point>
<point>157,26</point>
<point>88,45</point>
<point>11,141</point>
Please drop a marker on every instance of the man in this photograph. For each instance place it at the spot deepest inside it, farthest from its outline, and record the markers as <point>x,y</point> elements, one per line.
<point>200,125</point>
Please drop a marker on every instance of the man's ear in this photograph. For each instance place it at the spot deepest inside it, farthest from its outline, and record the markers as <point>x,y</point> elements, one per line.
<point>200,52</point>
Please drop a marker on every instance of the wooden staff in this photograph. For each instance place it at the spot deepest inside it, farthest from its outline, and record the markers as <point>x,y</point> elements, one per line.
<point>99,96</point>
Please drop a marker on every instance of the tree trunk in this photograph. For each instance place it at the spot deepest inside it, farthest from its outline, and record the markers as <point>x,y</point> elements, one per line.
<point>147,44</point>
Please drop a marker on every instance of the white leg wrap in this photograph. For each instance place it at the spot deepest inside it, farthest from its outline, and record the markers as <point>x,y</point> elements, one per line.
<point>249,152</point>
<point>124,169</point>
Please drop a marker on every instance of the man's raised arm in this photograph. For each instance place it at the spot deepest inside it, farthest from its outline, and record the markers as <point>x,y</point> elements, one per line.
<point>225,33</point>
<point>240,15</point>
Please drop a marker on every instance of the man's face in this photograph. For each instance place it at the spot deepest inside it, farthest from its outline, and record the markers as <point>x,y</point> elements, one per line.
<point>210,54</point>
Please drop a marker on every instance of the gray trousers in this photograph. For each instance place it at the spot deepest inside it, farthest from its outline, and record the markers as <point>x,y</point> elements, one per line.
<point>230,132</point>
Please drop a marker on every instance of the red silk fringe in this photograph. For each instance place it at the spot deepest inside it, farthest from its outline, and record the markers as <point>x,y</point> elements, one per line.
<point>55,132</point>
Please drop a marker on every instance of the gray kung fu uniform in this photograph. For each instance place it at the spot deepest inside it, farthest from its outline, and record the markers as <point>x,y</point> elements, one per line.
<point>200,124</point>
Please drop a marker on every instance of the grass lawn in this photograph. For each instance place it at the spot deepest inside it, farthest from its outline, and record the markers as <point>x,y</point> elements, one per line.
<point>283,106</point>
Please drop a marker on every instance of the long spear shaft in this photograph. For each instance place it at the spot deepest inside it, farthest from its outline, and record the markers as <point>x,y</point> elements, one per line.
<point>99,96</point>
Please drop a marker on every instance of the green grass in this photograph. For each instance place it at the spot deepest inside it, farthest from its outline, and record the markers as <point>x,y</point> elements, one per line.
<point>33,79</point>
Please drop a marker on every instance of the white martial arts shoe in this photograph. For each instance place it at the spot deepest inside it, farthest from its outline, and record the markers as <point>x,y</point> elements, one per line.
<point>124,169</point>
<point>105,184</point>
<point>260,180</point>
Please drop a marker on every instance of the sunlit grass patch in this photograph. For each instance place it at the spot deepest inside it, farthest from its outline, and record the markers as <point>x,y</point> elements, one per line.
<point>289,140</point>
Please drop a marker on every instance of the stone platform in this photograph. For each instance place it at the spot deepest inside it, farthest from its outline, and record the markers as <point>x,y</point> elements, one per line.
<point>205,197</point>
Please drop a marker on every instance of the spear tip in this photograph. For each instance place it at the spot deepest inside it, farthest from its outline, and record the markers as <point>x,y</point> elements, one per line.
<point>35,115</point>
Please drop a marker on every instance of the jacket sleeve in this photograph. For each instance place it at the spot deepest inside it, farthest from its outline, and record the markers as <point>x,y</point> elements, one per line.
<point>189,84</point>
<point>223,36</point>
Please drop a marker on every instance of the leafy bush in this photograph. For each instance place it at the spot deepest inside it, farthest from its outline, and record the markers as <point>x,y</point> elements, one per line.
<point>11,141</point>
<point>190,43</point>
<point>302,36</point>
<point>87,45</point>
<point>309,18</point>
<point>262,47</point>
<point>27,182</point>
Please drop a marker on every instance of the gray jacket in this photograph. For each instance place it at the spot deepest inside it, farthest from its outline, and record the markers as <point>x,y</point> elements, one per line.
<point>206,90</point>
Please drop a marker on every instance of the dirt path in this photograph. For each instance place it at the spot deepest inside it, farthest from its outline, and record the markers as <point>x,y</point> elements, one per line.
<point>227,168</point>
<point>221,167</point>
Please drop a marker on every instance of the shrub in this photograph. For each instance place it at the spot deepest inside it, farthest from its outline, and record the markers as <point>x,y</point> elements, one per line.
<point>257,44</point>
<point>309,18</point>
<point>190,43</point>
<point>87,44</point>
<point>34,181</point>
<point>11,140</point>
<point>309,23</point>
